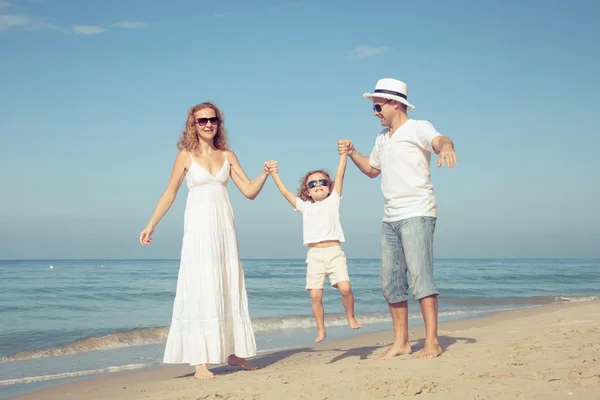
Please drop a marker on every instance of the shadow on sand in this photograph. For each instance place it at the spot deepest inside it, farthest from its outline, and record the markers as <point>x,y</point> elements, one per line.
<point>362,353</point>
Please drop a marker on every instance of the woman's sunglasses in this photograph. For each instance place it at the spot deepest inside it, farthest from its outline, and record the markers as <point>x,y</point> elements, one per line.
<point>204,121</point>
<point>322,182</point>
<point>377,107</point>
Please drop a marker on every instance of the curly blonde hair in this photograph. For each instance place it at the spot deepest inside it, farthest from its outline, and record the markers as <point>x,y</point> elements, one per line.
<point>189,138</point>
<point>303,189</point>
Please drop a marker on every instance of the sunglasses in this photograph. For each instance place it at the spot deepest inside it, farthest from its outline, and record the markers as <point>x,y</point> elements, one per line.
<point>377,107</point>
<point>204,121</point>
<point>322,182</point>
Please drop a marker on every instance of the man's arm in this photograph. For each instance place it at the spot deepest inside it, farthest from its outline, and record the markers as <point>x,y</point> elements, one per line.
<point>444,148</point>
<point>362,162</point>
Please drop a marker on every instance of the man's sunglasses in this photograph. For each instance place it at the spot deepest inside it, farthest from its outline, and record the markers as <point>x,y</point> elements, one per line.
<point>322,182</point>
<point>377,107</point>
<point>204,121</point>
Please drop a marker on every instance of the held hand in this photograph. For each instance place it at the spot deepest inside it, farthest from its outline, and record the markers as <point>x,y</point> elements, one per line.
<point>145,236</point>
<point>345,146</point>
<point>271,167</point>
<point>447,155</point>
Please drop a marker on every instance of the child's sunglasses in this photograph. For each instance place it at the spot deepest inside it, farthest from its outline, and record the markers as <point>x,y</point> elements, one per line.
<point>322,182</point>
<point>204,121</point>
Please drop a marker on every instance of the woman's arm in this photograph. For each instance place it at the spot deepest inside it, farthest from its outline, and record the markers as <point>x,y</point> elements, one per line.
<point>165,202</point>
<point>274,171</point>
<point>339,175</point>
<point>249,188</point>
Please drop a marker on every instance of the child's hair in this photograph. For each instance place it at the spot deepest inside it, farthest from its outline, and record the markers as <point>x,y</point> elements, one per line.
<point>303,189</point>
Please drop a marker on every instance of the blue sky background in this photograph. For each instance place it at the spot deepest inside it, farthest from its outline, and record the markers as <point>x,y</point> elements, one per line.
<point>94,96</point>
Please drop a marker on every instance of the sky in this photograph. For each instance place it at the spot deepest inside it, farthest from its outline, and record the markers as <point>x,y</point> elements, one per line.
<point>94,96</point>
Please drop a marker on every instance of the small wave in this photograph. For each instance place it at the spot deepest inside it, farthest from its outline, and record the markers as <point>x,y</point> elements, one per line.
<point>575,299</point>
<point>32,379</point>
<point>520,301</point>
<point>134,337</point>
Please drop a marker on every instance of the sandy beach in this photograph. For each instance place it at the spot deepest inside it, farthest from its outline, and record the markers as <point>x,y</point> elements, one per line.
<point>548,352</point>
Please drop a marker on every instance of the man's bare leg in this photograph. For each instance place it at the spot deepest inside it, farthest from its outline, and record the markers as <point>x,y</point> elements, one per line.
<point>429,309</point>
<point>203,373</point>
<point>399,312</point>
<point>316,298</point>
<point>348,301</point>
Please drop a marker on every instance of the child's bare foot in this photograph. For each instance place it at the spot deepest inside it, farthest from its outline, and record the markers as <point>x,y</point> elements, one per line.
<point>202,373</point>
<point>353,323</point>
<point>236,361</point>
<point>320,336</point>
<point>396,350</point>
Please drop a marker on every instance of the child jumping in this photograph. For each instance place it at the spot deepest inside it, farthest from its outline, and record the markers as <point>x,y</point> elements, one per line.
<point>318,200</point>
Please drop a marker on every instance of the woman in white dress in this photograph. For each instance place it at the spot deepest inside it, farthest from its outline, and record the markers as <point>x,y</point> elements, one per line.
<point>210,323</point>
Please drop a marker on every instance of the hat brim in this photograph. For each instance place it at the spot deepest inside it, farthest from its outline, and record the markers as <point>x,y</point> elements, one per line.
<point>370,96</point>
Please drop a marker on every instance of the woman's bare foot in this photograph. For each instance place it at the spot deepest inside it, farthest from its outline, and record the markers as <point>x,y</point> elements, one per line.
<point>396,350</point>
<point>320,336</point>
<point>353,323</point>
<point>431,350</point>
<point>236,361</point>
<point>202,373</point>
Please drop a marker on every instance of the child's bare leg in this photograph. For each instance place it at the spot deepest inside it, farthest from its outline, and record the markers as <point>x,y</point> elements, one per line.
<point>348,300</point>
<point>316,298</point>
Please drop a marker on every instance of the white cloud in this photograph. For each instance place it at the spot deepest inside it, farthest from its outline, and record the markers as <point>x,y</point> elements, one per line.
<point>23,21</point>
<point>366,51</point>
<point>219,15</point>
<point>12,21</point>
<point>4,4</point>
<point>87,29</point>
<point>129,25</point>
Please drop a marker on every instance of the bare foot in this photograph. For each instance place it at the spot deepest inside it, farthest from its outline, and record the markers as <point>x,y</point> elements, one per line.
<point>236,361</point>
<point>353,323</point>
<point>320,336</point>
<point>396,350</point>
<point>429,351</point>
<point>202,373</point>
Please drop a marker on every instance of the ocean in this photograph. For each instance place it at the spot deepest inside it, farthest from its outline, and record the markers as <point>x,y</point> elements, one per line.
<point>63,320</point>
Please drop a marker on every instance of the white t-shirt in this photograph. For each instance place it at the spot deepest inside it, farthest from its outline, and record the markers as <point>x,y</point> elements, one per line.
<point>404,163</point>
<point>321,219</point>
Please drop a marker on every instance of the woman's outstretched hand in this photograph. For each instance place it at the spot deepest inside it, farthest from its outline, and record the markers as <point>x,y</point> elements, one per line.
<point>145,236</point>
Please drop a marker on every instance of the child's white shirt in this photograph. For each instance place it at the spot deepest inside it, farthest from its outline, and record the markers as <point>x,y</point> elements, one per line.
<point>321,219</point>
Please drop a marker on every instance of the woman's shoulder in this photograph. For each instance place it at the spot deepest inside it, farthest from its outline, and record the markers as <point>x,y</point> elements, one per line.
<point>229,155</point>
<point>183,154</point>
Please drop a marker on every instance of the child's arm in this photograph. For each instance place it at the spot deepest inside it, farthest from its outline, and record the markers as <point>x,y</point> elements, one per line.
<point>273,170</point>
<point>339,175</point>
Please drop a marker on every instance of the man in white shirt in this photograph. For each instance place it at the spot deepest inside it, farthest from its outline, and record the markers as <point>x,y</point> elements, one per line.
<point>402,154</point>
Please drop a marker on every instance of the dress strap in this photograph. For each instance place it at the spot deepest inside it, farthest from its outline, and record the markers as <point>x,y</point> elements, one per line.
<point>192,157</point>
<point>225,154</point>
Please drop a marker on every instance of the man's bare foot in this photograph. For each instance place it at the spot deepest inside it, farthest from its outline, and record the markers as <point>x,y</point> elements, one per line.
<point>320,336</point>
<point>236,361</point>
<point>429,351</point>
<point>202,373</point>
<point>353,323</point>
<point>396,350</point>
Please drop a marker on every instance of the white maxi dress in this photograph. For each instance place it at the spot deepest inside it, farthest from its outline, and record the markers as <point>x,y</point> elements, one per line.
<point>210,313</point>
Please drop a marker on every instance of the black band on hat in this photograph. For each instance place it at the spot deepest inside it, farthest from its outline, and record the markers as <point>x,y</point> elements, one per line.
<point>390,92</point>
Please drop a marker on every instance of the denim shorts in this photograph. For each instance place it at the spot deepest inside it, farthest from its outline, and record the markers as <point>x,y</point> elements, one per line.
<point>407,247</point>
